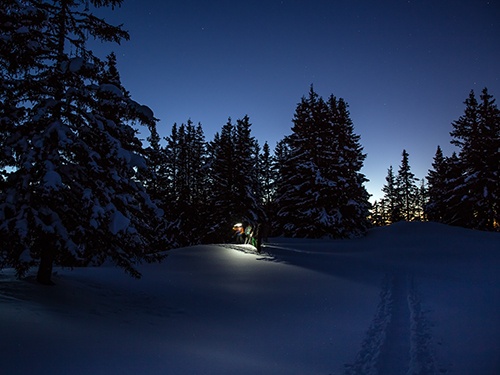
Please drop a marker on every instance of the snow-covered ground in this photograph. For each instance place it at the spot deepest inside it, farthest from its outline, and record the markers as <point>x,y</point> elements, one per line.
<point>410,298</point>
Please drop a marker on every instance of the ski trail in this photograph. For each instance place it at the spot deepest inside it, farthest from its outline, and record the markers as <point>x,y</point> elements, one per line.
<point>423,358</point>
<point>367,358</point>
<point>394,357</point>
<point>399,340</point>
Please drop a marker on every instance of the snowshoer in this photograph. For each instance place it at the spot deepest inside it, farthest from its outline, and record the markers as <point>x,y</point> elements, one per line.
<point>238,232</point>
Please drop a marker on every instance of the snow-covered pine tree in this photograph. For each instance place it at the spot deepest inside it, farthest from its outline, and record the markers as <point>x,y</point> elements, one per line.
<point>489,203</point>
<point>71,163</point>
<point>477,134</point>
<point>352,197</point>
<point>456,210</point>
<point>321,192</point>
<point>297,193</point>
<point>407,188</point>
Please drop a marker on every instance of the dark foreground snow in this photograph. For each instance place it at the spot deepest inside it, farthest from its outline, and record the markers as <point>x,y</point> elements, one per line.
<point>411,298</point>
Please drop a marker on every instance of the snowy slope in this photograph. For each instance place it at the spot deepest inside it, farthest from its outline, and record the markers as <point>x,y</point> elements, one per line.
<point>416,298</point>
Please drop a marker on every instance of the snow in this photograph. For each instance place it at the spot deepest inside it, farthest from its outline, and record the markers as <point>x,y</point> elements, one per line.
<point>112,89</point>
<point>118,222</point>
<point>143,110</point>
<point>410,298</point>
<point>52,180</point>
<point>22,30</point>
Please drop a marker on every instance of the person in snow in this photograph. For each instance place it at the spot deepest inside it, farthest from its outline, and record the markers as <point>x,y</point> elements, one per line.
<point>248,235</point>
<point>239,233</point>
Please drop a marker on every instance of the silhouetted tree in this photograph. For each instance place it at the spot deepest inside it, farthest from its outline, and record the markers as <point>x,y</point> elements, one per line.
<point>407,188</point>
<point>378,213</point>
<point>391,198</point>
<point>436,206</point>
<point>267,177</point>
<point>477,134</point>
<point>186,171</point>
<point>320,191</point>
<point>71,163</point>
<point>233,180</point>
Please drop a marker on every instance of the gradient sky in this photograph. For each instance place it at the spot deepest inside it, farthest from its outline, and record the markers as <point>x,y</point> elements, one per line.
<point>404,67</point>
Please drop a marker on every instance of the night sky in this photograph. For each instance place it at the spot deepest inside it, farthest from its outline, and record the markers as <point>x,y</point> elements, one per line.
<point>404,67</point>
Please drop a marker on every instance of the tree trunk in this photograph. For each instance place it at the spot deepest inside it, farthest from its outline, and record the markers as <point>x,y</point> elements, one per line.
<point>44,275</point>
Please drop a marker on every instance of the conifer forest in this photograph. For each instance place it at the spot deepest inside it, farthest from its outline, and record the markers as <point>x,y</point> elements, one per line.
<point>78,187</point>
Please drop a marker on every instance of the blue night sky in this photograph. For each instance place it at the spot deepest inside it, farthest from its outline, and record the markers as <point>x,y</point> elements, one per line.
<point>404,67</point>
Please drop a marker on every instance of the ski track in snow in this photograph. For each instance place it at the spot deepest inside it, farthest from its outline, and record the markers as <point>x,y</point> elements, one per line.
<point>399,340</point>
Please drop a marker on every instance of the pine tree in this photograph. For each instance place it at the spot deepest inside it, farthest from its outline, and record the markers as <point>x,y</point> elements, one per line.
<point>156,185</point>
<point>71,163</point>
<point>321,190</point>
<point>393,205</point>
<point>297,196</point>
<point>266,176</point>
<point>185,167</point>
<point>436,207</point>
<point>247,181</point>
<point>377,215</point>
<point>353,201</point>
<point>407,188</point>
<point>421,201</point>
<point>233,180</point>
<point>281,154</point>
<point>477,134</point>
<point>455,209</point>
<point>172,161</point>
<point>280,157</point>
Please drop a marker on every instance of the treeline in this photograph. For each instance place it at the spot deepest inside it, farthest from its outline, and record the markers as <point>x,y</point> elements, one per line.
<point>462,189</point>
<point>405,196</point>
<point>310,186</point>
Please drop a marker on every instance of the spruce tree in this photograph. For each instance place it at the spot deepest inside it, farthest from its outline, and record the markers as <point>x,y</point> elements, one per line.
<point>172,161</point>
<point>392,200</point>
<point>455,209</point>
<point>156,184</point>
<point>71,163</point>
<point>421,201</point>
<point>267,176</point>
<point>185,165</point>
<point>298,193</point>
<point>377,215</point>
<point>477,134</point>
<point>321,190</point>
<point>353,198</point>
<point>233,181</point>
<point>436,207</point>
<point>280,157</point>
<point>407,188</point>
<point>246,153</point>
